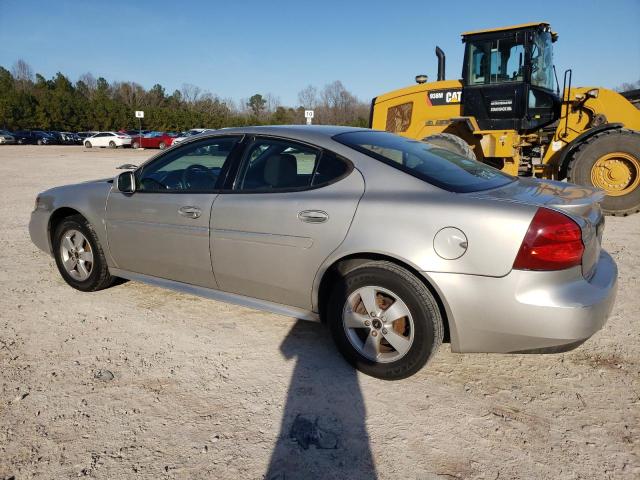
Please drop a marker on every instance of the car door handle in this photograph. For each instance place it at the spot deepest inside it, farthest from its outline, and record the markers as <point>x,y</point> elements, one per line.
<point>313,216</point>
<point>190,212</point>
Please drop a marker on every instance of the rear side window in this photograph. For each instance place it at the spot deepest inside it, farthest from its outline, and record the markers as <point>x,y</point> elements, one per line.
<point>277,165</point>
<point>437,166</point>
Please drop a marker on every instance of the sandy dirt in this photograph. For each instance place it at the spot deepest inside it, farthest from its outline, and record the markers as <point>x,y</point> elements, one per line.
<point>139,382</point>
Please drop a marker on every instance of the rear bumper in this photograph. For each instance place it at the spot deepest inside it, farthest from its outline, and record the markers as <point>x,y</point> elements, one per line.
<point>525,311</point>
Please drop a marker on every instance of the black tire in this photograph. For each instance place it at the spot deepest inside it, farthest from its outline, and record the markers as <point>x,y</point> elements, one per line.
<point>99,277</point>
<point>112,144</point>
<point>162,146</point>
<point>428,326</point>
<point>136,145</point>
<point>592,149</point>
<point>88,144</point>
<point>451,142</point>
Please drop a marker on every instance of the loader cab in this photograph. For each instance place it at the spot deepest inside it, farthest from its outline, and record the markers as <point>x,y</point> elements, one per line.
<point>508,78</point>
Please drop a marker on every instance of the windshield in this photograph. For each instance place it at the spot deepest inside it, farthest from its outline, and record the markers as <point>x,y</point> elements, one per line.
<point>437,166</point>
<point>542,61</point>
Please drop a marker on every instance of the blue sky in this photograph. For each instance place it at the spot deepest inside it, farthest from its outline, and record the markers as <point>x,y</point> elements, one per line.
<point>236,49</point>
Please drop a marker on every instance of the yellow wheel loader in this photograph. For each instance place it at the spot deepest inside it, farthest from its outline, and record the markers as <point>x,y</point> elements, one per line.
<point>508,111</point>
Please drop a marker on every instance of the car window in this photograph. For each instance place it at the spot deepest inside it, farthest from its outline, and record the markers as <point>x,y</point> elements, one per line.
<point>193,167</point>
<point>437,166</point>
<point>276,165</point>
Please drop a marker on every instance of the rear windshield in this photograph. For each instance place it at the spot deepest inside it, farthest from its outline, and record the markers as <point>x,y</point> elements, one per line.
<point>437,166</point>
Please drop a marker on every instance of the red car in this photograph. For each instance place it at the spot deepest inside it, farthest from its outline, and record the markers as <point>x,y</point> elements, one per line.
<point>152,140</point>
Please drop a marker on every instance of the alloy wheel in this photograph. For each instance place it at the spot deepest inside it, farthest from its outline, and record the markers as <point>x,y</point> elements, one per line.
<point>378,324</point>
<point>76,254</point>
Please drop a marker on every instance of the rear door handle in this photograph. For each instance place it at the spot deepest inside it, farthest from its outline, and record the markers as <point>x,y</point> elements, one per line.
<point>189,212</point>
<point>313,216</point>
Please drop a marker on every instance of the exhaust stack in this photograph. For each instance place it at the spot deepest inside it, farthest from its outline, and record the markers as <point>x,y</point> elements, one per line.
<point>441,63</point>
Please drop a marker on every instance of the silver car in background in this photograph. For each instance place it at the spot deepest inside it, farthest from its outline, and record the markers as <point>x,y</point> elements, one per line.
<point>397,245</point>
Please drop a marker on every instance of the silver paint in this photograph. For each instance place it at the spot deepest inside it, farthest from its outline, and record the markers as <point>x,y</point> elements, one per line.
<point>271,250</point>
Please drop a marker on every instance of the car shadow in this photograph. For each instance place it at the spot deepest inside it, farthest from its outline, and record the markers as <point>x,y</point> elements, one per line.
<point>323,432</point>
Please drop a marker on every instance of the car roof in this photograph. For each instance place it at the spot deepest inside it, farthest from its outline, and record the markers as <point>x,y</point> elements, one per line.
<point>308,133</point>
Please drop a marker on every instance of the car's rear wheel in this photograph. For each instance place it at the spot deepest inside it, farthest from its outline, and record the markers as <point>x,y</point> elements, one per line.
<point>162,145</point>
<point>136,145</point>
<point>384,320</point>
<point>88,144</point>
<point>79,256</point>
<point>40,142</point>
<point>112,144</point>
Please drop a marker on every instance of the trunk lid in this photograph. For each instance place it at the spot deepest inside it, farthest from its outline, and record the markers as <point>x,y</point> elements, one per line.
<point>579,202</point>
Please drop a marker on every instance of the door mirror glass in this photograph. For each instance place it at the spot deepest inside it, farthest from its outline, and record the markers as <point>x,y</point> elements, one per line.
<point>126,182</point>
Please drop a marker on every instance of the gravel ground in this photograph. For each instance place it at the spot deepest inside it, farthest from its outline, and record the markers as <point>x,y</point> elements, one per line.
<point>138,382</point>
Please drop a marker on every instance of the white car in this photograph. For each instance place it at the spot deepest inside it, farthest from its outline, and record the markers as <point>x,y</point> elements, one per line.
<point>108,139</point>
<point>6,137</point>
<point>190,133</point>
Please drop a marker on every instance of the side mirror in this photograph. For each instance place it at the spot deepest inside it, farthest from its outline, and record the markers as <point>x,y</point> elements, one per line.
<point>126,182</point>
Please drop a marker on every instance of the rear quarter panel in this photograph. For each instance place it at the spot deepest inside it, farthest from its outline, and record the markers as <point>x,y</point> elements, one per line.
<point>399,216</point>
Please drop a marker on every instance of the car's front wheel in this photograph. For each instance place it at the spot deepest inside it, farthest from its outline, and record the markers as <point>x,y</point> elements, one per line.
<point>88,144</point>
<point>79,256</point>
<point>162,145</point>
<point>136,145</point>
<point>384,320</point>
<point>112,144</point>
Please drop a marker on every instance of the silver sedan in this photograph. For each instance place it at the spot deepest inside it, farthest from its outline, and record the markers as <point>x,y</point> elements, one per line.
<point>395,244</point>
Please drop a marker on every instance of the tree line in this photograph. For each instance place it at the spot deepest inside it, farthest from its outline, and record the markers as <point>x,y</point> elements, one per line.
<point>31,101</point>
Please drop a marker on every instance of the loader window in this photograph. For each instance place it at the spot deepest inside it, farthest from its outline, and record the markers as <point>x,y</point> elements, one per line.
<point>495,61</point>
<point>542,61</point>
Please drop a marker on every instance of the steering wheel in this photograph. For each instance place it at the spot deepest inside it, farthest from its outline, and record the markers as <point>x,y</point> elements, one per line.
<point>193,171</point>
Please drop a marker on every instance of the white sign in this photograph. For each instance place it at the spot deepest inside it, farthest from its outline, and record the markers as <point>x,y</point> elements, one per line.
<point>308,114</point>
<point>139,114</point>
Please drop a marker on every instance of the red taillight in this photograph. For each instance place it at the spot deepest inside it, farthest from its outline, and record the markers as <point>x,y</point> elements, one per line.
<point>553,242</point>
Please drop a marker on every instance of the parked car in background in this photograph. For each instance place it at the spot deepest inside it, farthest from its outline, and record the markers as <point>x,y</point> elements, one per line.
<point>58,137</point>
<point>108,139</point>
<point>7,137</point>
<point>190,133</point>
<point>152,140</point>
<point>38,137</point>
<point>70,138</point>
<point>134,133</point>
<point>395,243</point>
<point>83,135</point>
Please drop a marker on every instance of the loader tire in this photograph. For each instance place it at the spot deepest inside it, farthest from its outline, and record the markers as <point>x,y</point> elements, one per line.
<point>610,160</point>
<point>451,142</point>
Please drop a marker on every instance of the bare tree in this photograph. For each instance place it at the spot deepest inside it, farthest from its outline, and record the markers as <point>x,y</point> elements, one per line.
<point>338,103</point>
<point>22,71</point>
<point>273,102</point>
<point>626,86</point>
<point>89,80</point>
<point>190,92</point>
<point>308,97</point>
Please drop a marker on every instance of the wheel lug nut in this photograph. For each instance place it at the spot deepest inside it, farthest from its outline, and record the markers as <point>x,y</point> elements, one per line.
<point>367,323</point>
<point>374,333</point>
<point>384,331</point>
